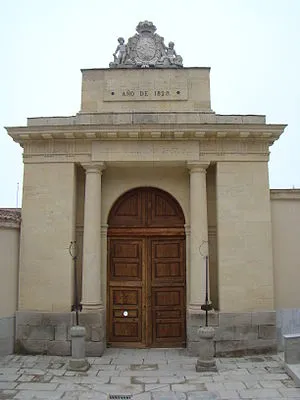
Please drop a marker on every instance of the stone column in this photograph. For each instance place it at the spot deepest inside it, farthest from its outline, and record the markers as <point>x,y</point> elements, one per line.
<point>91,263</point>
<point>198,234</point>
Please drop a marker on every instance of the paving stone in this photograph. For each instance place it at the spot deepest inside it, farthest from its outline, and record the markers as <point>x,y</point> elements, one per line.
<point>57,372</point>
<point>171,379</point>
<point>144,379</point>
<point>81,379</point>
<point>274,377</point>
<point>100,367</point>
<point>36,386</point>
<point>228,394</point>
<point>219,378</point>
<point>234,385</point>
<point>8,378</point>
<point>168,396</point>
<point>252,385</point>
<point>142,396</point>
<point>109,373</point>
<point>69,373</point>
<point>119,389</point>
<point>203,396</point>
<point>236,376</point>
<point>240,372</point>
<point>84,396</point>
<point>186,387</point>
<point>289,383</point>
<point>199,379</point>
<point>7,385</point>
<point>26,378</point>
<point>146,373</point>
<point>121,380</point>
<point>271,384</point>
<point>9,371</point>
<point>144,367</point>
<point>257,370</point>
<point>290,392</point>
<point>69,387</point>
<point>37,395</point>
<point>31,371</point>
<point>259,394</point>
<point>7,394</point>
<point>157,387</point>
<point>214,386</point>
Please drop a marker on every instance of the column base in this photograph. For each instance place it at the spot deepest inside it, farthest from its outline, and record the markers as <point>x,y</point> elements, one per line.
<point>92,306</point>
<point>206,366</point>
<point>195,309</point>
<point>79,365</point>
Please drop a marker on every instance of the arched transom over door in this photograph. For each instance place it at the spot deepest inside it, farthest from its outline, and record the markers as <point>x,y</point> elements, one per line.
<point>146,270</point>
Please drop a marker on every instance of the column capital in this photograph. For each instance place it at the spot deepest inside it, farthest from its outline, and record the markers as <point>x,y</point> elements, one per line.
<point>93,167</point>
<point>197,166</point>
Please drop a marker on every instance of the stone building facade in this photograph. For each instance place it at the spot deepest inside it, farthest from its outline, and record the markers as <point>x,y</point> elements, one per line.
<point>148,179</point>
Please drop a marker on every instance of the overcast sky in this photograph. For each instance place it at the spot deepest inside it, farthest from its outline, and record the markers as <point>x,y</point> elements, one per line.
<point>252,47</point>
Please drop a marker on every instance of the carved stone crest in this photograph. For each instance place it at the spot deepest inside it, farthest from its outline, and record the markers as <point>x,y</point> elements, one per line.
<point>146,49</point>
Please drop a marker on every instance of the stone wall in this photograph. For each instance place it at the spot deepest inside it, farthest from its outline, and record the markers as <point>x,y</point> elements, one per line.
<point>285,208</point>
<point>48,227</point>
<point>49,332</point>
<point>9,263</point>
<point>237,334</point>
<point>246,281</point>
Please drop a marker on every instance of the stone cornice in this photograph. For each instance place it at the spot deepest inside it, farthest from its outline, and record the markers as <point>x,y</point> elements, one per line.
<point>10,217</point>
<point>178,132</point>
<point>285,194</point>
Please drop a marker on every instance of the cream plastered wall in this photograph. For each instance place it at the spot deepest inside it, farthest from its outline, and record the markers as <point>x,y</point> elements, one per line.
<point>151,90</point>
<point>9,268</point>
<point>48,226</point>
<point>244,237</point>
<point>285,206</point>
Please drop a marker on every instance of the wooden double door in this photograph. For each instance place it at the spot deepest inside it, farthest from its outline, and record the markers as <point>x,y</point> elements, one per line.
<point>146,271</point>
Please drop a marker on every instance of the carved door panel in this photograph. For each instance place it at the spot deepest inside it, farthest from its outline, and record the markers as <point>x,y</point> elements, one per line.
<point>126,289</point>
<point>146,270</point>
<point>166,261</point>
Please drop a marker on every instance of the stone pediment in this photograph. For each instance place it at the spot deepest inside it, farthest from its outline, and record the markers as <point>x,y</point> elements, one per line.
<point>146,49</point>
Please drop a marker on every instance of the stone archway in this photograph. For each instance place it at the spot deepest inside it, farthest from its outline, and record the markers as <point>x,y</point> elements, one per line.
<point>146,271</point>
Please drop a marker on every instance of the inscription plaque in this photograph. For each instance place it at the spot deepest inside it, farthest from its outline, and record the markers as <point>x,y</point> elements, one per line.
<point>145,94</point>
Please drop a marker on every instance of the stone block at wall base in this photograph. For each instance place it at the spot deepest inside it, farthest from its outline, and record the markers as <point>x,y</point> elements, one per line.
<point>287,322</point>
<point>7,335</point>
<point>241,348</point>
<point>49,332</point>
<point>94,349</point>
<point>237,334</point>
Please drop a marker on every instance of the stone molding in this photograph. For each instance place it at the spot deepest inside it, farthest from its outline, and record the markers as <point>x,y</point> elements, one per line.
<point>200,151</point>
<point>285,194</point>
<point>10,218</point>
<point>104,228</point>
<point>187,229</point>
<point>148,131</point>
<point>93,167</point>
<point>107,118</point>
<point>197,167</point>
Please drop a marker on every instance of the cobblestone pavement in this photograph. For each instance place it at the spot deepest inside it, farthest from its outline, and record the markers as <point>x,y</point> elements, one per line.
<point>146,374</point>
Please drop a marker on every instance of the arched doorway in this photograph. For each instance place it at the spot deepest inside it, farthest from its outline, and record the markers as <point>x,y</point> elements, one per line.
<point>146,271</point>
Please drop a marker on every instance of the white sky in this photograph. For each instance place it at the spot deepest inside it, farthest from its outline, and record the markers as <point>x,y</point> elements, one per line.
<point>252,47</point>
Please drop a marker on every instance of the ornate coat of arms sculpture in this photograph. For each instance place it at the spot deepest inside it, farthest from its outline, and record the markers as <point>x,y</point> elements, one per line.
<point>146,49</point>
